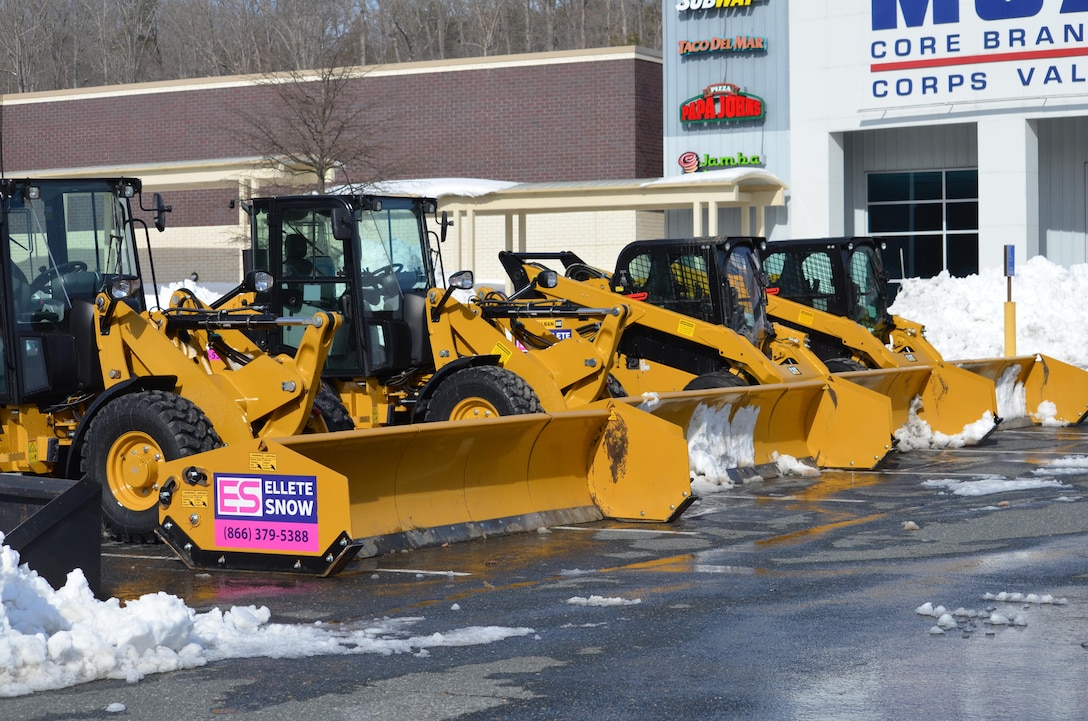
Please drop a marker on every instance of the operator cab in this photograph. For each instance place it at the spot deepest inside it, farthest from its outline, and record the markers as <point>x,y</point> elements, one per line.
<point>63,242</point>
<point>841,276</point>
<point>717,280</point>
<point>366,257</point>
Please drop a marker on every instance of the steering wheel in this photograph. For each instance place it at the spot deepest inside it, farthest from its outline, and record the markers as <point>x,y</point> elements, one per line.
<point>73,266</point>
<point>384,279</point>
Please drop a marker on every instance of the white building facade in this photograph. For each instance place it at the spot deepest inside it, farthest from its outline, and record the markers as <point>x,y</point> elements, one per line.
<point>952,129</point>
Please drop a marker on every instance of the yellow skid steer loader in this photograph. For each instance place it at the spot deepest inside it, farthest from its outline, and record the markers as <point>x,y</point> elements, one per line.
<point>835,289</point>
<point>697,321</point>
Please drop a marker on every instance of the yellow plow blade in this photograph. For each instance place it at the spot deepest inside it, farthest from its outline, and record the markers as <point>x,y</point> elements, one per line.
<point>311,503</point>
<point>1038,387</point>
<point>734,432</point>
<point>900,385</point>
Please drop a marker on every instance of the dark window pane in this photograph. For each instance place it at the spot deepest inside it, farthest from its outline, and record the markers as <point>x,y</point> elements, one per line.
<point>894,255</point>
<point>927,216</point>
<point>927,186</point>
<point>961,184</point>
<point>889,186</point>
<point>962,216</point>
<point>962,255</point>
<point>889,218</point>
<point>928,256</point>
<point>913,256</point>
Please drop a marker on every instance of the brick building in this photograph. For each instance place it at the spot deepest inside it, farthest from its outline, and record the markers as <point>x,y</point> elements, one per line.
<point>565,116</point>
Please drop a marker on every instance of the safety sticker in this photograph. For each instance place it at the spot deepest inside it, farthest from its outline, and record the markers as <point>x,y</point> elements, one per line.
<point>503,352</point>
<point>266,512</point>
<point>806,317</point>
<point>686,327</point>
<point>194,499</point>
<point>262,461</point>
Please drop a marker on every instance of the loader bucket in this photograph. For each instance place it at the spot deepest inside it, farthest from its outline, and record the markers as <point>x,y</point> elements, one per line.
<point>735,432</point>
<point>955,398</point>
<point>311,503</point>
<point>900,385</point>
<point>55,525</point>
<point>1036,387</point>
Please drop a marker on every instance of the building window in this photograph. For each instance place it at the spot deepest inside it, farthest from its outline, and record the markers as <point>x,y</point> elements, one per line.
<point>928,221</point>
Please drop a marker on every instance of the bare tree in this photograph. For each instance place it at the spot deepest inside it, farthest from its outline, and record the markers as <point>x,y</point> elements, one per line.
<point>320,127</point>
<point>53,44</point>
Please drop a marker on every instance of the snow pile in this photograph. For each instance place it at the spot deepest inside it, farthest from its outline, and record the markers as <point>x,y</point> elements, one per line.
<point>52,639</point>
<point>1064,466</point>
<point>965,317</point>
<point>990,485</point>
<point>917,433</point>
<point>601,601</point>
<point>790,466</point>
<point>969,620</point>
<point>720,439</point>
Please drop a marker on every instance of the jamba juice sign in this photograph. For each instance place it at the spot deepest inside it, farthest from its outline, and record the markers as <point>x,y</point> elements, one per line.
<point>693,163</point>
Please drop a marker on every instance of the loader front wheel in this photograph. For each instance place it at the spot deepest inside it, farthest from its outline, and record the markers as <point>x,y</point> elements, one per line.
<point>482,392</point>
<point>717,379</point>
<point>125,446</point>
<point>329,413</point>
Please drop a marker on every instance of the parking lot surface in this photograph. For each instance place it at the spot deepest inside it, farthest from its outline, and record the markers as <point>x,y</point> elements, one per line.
<point>788,598</point>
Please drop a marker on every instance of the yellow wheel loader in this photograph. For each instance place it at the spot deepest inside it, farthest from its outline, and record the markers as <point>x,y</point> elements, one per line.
<point>697,321</point>
<point>189,430</point>
<point>410,351</point>
<point>835,290</point>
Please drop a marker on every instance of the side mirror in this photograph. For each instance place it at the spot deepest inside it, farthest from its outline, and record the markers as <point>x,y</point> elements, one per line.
<point>341,223</point>
<point>462,280</point>
<point>161,209</point>
<point>444,223</point>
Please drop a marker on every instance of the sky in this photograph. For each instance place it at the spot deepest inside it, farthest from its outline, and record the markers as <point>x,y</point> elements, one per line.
<point>55,638</point>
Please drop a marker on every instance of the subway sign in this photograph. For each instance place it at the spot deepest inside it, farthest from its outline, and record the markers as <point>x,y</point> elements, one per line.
<point>924,51</point>
<point>722,103</point>
<point>690,6</point>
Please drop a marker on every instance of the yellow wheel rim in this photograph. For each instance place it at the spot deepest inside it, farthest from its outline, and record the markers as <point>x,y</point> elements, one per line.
<point>473,409</point>
<point>132,470</point>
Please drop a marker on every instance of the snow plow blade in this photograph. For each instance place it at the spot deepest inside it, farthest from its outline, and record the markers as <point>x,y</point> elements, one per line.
<point>1035,387</point>
<point>741,431</point>
<point>900,385</point>
<point>311,503</point>
<point>55,525</point>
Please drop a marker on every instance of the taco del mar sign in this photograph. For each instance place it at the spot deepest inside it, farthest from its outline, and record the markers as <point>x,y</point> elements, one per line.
<point>722,103</point>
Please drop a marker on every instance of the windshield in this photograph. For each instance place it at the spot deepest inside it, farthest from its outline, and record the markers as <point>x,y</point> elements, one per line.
<point>746,306</point>
<point>394,237</point>
<point>62,243</point>
<point>869,306</point>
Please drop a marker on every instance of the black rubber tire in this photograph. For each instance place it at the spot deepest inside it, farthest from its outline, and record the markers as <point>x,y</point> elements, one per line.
<point>329,413</point>
<point>717,379</point>
<point>171,423</point>
<point>491,387</point>
<point>843,365</point>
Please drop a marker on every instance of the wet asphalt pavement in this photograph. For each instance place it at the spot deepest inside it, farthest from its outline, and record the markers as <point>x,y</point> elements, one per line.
<point>784,599</point>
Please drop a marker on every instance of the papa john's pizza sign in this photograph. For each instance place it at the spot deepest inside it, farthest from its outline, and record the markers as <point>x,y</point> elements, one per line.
<point>722,103</point>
